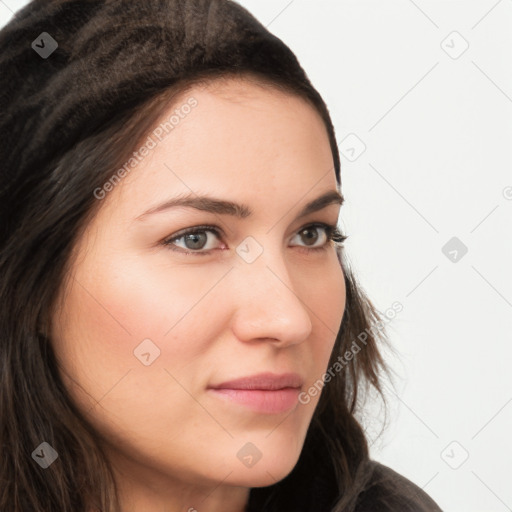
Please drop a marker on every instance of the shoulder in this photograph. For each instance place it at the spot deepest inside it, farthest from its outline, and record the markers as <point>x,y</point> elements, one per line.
<point>388,491</point>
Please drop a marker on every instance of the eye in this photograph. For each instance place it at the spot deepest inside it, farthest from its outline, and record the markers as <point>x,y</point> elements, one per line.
<point>309,234</point>
<point>196,240</point>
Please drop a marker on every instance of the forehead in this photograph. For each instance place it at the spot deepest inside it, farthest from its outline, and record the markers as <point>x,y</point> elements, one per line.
<point>239,134</point>
<point>231,111</point>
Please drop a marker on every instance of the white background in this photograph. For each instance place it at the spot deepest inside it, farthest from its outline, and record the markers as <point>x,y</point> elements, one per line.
<point>437,126</point>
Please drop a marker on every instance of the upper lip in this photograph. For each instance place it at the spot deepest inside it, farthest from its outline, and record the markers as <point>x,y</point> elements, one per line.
<point>267,380</point>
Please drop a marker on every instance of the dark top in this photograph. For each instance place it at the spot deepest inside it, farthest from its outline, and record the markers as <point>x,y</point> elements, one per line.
<point>385,491</point>
<point>388,491</point>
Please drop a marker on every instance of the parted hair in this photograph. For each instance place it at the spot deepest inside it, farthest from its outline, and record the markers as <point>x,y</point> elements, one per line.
<point>68,121</point>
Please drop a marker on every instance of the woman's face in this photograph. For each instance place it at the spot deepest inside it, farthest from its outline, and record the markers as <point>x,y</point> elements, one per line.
<point>144,329</point>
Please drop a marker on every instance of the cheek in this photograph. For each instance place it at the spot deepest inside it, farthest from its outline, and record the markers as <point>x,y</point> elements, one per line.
<point>326,304</point>
<point>110,314</point>
<point>324,295</point>
<point>105,318</point>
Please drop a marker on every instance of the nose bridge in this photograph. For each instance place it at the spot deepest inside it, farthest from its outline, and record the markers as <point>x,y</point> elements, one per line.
<point>268,304</point>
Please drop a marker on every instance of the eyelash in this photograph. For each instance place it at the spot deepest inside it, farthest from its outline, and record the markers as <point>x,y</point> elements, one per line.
<point>334,238</point>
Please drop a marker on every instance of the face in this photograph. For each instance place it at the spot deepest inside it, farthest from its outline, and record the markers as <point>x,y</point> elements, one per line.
<point>152,318</point>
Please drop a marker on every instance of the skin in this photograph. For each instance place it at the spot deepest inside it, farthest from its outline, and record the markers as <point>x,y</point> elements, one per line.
<point>213,317</point>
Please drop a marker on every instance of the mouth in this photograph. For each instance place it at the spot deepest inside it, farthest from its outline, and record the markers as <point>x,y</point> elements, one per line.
<point>265,393</point>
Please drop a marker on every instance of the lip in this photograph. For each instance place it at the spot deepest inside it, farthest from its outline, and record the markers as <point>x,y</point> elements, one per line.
<point>263,381</point>
<point>265,393</point>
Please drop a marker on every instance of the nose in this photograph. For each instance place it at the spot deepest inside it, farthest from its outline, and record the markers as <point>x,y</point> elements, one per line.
<point>268,306</point>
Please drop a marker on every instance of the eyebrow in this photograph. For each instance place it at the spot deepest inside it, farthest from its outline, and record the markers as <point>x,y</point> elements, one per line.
<point>242,211</point>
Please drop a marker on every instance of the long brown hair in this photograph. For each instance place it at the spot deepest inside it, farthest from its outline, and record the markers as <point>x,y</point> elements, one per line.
<point>69,120</point>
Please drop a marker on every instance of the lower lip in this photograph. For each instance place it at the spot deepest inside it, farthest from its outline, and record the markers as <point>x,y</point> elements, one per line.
<point>260,400</point>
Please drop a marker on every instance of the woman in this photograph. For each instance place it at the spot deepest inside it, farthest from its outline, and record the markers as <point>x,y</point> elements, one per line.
<point>178,316</point>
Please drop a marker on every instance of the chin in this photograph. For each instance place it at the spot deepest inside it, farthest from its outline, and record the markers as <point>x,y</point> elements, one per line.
<point>267,471</point>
